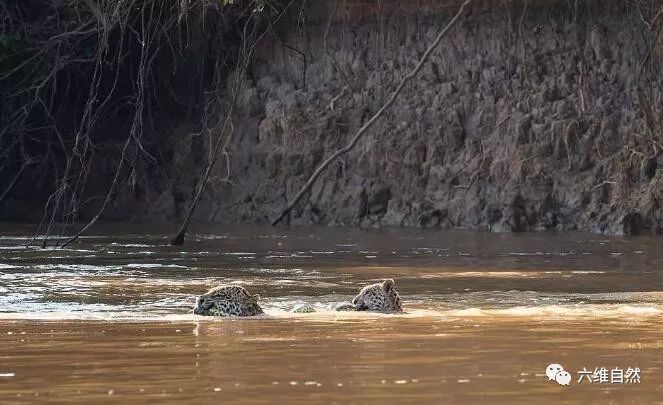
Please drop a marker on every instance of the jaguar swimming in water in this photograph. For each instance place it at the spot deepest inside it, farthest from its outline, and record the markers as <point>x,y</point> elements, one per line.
<point>232,300</point>
<point>378,297</point>
<point>228,300</point>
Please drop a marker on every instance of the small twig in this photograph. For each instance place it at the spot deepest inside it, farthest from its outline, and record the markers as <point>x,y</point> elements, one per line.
<point>603,184</point>
<point>338,97</point>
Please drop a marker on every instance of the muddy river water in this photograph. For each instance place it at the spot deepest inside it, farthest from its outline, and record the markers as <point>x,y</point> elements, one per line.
<point>109,318</point>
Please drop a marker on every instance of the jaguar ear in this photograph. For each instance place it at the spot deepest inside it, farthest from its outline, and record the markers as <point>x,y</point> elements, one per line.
<point>388,284</point>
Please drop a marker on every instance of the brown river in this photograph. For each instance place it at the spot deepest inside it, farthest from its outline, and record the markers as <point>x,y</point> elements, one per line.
<point>108,320</point>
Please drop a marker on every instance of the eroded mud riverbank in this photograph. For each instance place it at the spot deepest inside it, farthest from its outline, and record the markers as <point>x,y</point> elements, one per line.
<point>527,117</point>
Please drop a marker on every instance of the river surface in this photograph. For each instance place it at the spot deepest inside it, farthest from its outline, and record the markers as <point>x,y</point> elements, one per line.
<point>109,318</point>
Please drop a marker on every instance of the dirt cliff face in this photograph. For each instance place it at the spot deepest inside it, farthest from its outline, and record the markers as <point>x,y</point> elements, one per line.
<point>523,119</point>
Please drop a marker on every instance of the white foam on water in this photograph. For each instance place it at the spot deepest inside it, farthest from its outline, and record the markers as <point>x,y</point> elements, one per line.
<point>153,266</point>
<point>52,237</point>
<point>325,314</point>
<point>211,237</point>
<point>76,267</point>
<point>588,272</point>
<point>495,274</point>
